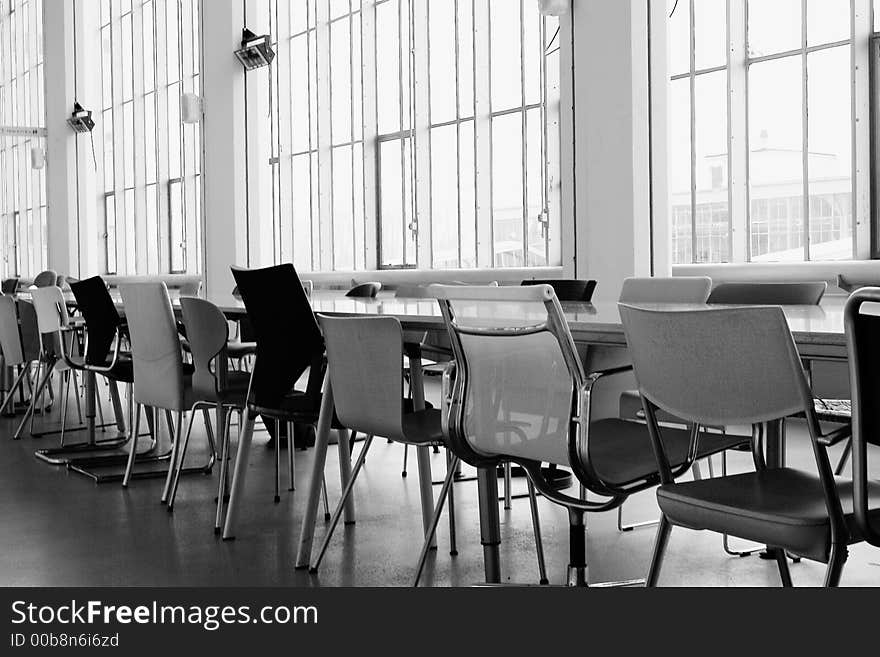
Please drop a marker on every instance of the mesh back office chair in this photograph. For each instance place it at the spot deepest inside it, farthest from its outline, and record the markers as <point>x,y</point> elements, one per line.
<point>519,393</point>
<point>736,366</point>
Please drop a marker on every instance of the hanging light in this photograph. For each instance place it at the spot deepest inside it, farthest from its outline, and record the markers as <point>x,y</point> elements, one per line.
<point>554,7</point>
<point>255,51</point>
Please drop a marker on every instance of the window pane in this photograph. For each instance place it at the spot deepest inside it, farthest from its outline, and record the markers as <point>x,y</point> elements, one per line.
<point>340,86</point>
<point>149,49</point>
<point>507,190</point>
<point>444,197</point>
<point>827,21</point>
<point>391,207</point>
<point>388,67</point>
<point>338,8</point>
<point>532,51</point>
<point>110,232</point>
<point>177,227</point>
<point>680,170</point>
<point>505,54</point>
<point>830,160</point>
<point>343,243</point>
<point>466,57</point>
<point>776,158</point>
<point>712,225</point>
<point>710,33</point>
<point>127,74</point>
<point>774,26</point>
<point>441,24</point>
<point>128,144</point>
<point>302,213</point>
<point>299,92</point>
<point>535,215</point>
<point>467,195</point>
<point>679,46</point>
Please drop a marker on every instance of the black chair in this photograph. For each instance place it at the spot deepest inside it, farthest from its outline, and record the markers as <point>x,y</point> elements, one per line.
<point>568,289</point>
<point>807,293</point>
<point>364,290</point>
<point>738,366</point>
<point>9,286</point>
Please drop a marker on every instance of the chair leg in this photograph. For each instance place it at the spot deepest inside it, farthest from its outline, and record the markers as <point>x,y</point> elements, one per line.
<point>79,414</point>
<point>175,433</point>
<point>278,460</point>
<point>536,526</point>
<point>10,396</point>
<point>181,457</point>
<point>577,548</point>
<point>507,492</point>
<point>324,496</point>
<point>435,518</point>
<point>66,387</point>
<point>35,395</point>
<point>452,463</point>
<point>313,568</point>
<point>663,530</point>
<point>290,456</point>
<point>405,454</point>
<point>134,443</point>
<point>223,421</point>
<point>245,436</point>
<point>835,565</point>
<point>844,458</point>
<point>782,563</point>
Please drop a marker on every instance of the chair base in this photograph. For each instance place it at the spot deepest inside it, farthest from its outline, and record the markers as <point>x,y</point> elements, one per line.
<point>68,453</point>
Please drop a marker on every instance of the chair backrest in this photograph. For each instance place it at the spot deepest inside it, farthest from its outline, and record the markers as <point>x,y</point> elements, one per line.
<point>9,286</point>
<point>155,345</point>
<point>771,294</point>
<point>10,337</point>
<point>717,367</point>
<point>287,334</point>
<point>99,312</point>
<point>517,371</point>
<point>46,278</point>
<point>30,332</point>
<point>51,309</point>
<point>364,357</point>
<point>568,289</point>
<point>364,290</point>
<point>864,373</point>
<point>207,333</point>
<point>676,289</point>
<point>189,288</point>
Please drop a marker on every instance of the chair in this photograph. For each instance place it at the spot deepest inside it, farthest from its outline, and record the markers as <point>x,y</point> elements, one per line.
<point>568,289</point>
<point>370,349</point>
<point>46,278</point>
<point>677,289</point>
<point>289,343</point>
<point>19,343</point>
<point>861,340</point>
<point>776,294</point>
<point>53,324</point>
<point>213,385</point>
<point>189,288</point>
<point>160,379</point>
<point>9,286</point>
<point>519,393</point>
<point>364,290</point>
<point>739,366</point>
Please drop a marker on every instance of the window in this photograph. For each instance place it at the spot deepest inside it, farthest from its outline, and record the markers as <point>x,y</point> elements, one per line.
<point>415,134</point>
<point>22,188</point>
<point>152,161</point>
<point>767,103</point>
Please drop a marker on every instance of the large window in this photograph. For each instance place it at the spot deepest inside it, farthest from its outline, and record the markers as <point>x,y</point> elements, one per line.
<point>151,160</point>
<point>22,187</point>
<point>415,133</point>
<point>768,113</point>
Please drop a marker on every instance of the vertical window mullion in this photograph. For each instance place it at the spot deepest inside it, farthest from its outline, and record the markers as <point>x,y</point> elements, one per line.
<point>693,126</point>
<point>805,131</point>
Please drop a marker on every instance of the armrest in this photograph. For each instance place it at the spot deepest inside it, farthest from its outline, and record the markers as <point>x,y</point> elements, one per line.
<point>833,437</point>
<point>595,375</point>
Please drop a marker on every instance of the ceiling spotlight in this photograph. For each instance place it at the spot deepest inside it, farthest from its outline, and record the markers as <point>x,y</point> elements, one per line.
<point>255,51</point>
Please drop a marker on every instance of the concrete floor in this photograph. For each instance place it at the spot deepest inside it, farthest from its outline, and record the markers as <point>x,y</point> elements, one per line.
<point>59,529</point>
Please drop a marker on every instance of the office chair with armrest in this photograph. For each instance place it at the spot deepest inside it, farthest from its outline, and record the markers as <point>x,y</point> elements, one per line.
<point>739,366</point>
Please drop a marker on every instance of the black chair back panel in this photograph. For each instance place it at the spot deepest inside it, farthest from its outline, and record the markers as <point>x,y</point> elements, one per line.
<point>284,326</point>
<point>102,319</point>
<point>568,289</point>
<point>807,293</point>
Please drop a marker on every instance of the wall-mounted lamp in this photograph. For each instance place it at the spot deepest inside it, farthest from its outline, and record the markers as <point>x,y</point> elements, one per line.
<point>81,119</point>
<point>255,51</point>
<point>190,108</point>
<point>554,7</point>
<point>38,158</point>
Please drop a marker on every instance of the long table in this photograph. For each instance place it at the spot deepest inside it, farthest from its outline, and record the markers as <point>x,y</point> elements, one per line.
<point>818,332</point>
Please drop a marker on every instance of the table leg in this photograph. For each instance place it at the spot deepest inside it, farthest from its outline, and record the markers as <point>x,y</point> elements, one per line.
<point>423,454</point>
<point>117,405</point>
<point>490,523</point>
<point>322,438</point>
<point>774,444</point>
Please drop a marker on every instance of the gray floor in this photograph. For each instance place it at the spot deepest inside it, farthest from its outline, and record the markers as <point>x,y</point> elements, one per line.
<point>59,529</point>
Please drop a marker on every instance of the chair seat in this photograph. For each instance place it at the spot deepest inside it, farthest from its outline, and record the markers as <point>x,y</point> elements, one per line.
<point>423,427</point>
<point>779,507</point>
<point>621,451</point>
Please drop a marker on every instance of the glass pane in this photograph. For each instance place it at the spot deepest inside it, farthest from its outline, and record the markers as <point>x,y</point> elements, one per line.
<point>299,92</point>
<point>174,129</point>
<point>152,221</point>
<point>110,232</point>
<point>177,228</point>
<point>343,242</point>
<point>395,238</point>
<point>504,19</point>
<point>830,160</point>
<point>172,42</point>
<point>106,68</point>
<point>465,57</point>
<point>774,26</point>
<point>680,170</point>
<point>150,137</point>
<point>338,8</point>
<point>827,21</point>
<point>444,197</point>
<point>148,51</point>
<point>128,144</point>
<point>532,51</point>
<point>388,67</point>
<point>467,195</point>
<point>340,81</point>
<point>776,160</point>
<point>712,218</point>
<point>679,46</point>
<point>302,213</point>
<point>710,33</point>
<point>535,215</point>
<point>130,243</point>
<point>357,182</point>
<point>507,190</point>
<point>127,74</point>
<point>107,124</point>
<point>441,24</point>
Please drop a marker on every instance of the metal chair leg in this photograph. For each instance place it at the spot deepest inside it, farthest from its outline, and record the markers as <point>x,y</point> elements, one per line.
<point>278,460</point>
<point>181,457</point>
<point>290,457</point>
<point>452,462</point>
<point>435,519</point>
<point>660,542</point>
<point>536,527</point>
<point>507,491</point>
<point>79,414</point>
<point>313,568</point>
<point>224,418</point>
<point>18,385</point>
<point>175,433</point>
<point>844,457</point>
<point>782,564</point>
<point>134,442</point>
<point>835,565</point>
<point>324,496</point>
<point>405,454</point>
<point>66,394</point>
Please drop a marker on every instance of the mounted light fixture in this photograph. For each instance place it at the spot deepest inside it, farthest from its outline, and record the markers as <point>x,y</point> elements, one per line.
<point>255,51</point>
<point>553,7</point>
<point>190,108</point>
<point>81,119</point>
